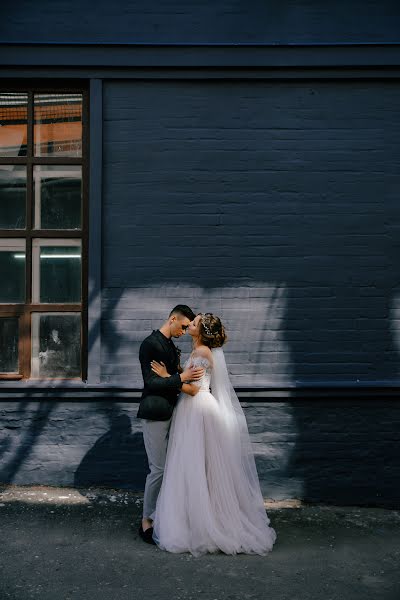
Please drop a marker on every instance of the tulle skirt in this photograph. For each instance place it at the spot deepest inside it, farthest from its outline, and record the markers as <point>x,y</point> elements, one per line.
<point>206,503</point>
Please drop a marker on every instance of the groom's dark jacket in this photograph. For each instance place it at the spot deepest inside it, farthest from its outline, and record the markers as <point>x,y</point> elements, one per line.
<point>160,394</point>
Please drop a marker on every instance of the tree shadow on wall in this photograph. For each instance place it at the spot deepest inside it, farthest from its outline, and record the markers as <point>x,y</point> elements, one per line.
<point>118,459</point>
<point>306,212</point>
<point>24,425</point>
<point>11,456</point>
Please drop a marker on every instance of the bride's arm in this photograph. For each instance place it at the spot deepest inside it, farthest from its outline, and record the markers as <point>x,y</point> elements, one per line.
<point>160,369</point>
<point>190,388</point>
<point>204,357</point>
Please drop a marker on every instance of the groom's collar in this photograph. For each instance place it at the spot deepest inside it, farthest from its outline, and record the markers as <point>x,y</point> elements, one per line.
<point>166,341</point>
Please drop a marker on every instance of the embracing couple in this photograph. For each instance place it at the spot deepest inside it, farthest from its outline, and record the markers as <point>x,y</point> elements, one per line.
<point>202,493</point>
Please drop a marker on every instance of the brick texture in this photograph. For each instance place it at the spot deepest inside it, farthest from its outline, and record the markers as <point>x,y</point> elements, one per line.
<point>343,453</point>
<point>272,204</point>
<point>199,21</point>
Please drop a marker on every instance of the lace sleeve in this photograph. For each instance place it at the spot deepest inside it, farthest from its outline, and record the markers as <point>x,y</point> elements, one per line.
<point>200,361</point>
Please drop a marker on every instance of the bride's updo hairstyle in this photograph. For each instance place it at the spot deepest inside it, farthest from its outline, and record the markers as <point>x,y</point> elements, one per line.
<point>211,331</point>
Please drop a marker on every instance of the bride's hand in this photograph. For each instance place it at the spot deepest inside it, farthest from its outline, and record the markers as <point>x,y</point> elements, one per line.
<point>159,368</point>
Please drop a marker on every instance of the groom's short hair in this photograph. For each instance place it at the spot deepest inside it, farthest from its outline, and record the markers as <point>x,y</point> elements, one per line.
<point>183,310</point>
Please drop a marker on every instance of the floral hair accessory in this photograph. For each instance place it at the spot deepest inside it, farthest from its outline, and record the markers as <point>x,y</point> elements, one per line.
<point>205,324</point>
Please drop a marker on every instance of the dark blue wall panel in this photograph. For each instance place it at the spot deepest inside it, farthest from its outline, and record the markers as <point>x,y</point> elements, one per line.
<point>200,21</point>
<point>273,204</point>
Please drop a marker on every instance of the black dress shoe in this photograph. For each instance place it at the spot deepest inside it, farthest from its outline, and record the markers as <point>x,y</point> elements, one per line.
<point>147,536</point>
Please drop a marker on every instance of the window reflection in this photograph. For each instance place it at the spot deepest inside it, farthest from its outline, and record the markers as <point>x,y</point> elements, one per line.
<point>58,124</point>
<point>56,345</point>
<point>58,195</point>
<point>56,271</point>
<point>12,197</point>
<point>8,345</point>
<point>12,271</point>
<point>13,124</point>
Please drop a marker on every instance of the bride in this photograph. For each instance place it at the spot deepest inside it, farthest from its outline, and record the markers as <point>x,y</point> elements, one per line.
<point>210,499</point>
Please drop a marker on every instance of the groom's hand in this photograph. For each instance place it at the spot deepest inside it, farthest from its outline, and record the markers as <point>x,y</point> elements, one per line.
<point>192,374</point>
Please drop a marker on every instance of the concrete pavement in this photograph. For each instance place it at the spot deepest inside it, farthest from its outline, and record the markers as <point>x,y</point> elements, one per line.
<point>67,544</point>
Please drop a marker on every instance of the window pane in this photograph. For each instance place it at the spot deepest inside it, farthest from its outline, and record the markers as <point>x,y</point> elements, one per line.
<point>13,124</point>
<point>12,271</point>
<point>12,196</point>
<point>56,345</point>
<point>56,271</point>
<point>57,192</point>
<point>58,124</point>
<point>8,345</point>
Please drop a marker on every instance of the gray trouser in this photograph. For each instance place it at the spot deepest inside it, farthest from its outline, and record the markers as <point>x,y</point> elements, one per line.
<point>155,437</point>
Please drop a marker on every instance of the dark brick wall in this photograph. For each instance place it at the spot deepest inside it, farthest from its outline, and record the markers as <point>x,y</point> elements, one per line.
<point>335,452</point>
<point>200,21</point>
<point>273,204</point>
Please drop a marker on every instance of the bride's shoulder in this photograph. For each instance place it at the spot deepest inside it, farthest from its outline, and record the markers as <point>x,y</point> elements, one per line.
<point>203,352</point>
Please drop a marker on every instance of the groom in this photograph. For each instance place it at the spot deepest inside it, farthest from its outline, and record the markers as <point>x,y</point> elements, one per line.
<point>159,397</point>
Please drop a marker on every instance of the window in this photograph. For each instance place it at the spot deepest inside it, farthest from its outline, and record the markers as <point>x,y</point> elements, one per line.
<point>43,233</point>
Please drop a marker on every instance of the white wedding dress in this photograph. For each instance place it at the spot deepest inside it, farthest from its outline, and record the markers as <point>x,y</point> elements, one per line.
<point>210,499</point>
